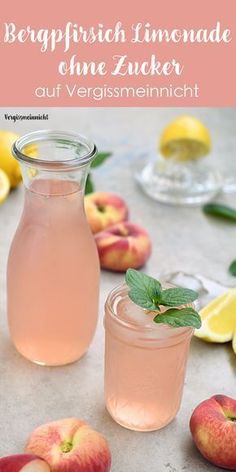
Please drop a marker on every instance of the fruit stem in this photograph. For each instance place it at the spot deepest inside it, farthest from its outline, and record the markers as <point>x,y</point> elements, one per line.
<point>101,208</point>
<point>66,446</point>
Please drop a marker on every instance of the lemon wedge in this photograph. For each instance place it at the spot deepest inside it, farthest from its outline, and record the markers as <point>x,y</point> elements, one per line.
<point>219,319</point>
<point>4,186</point>
<point>185,138</point>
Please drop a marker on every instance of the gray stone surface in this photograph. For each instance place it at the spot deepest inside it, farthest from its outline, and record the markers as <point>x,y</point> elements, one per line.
<point>183,238</point>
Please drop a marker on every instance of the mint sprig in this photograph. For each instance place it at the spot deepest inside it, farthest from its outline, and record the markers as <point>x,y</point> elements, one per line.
<point>147,293</point>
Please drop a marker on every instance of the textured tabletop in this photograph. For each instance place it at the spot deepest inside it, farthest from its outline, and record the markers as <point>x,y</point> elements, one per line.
<point>183,239</point>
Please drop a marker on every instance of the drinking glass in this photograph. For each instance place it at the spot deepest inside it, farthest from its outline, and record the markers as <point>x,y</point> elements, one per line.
<point>145,364</point>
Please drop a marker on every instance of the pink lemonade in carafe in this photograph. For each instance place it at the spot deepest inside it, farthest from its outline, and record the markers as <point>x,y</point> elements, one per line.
<point>144,365</point>
<point>53,269</point>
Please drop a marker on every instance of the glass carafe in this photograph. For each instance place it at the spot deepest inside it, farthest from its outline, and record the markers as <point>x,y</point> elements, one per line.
<point>53,267</point>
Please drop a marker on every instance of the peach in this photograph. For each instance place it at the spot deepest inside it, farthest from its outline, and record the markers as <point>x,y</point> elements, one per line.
<point>213,428</point>
<point>23,463</point>
<point>70,445</point>
<point>124,245</point>
<point>104,209</point>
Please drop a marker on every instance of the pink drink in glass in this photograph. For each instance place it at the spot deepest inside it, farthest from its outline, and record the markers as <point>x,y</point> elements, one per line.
<point>53,274</point>
<point>144,365</point>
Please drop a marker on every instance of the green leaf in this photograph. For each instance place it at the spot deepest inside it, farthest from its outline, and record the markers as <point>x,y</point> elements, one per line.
<point>139,280</point>
<point>180,318</point>
<point>232,268</point>
<point>100,158</point>
<point>177,296</point>
<point>144,290</point>
<point>140,298</point>
<point>219,210</point>
<point>147,292</point>
<point>89,187</point>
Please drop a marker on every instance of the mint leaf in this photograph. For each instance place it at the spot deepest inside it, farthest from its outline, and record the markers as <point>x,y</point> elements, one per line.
<point>232,268</point>
<point>147,292</point>
<point>140,298</point>
<point>179,318</point>
<point>144,290</point>
<point>139,280</point>
<point>177,296</point>
<point>89,187</point>
<point>223,211</point>
<point>100,158</point>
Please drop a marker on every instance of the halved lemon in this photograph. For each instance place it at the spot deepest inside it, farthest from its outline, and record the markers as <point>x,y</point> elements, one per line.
<point>4,185</point>
<point>219,319</point>
<point>185,138</point>
<point>7,161</point>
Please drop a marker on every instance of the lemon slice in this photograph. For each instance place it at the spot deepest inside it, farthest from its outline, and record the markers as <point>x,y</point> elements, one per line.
<point>219,319</point>
<point>185,138</point>
<point>234,343</point>
<point>4,186</point>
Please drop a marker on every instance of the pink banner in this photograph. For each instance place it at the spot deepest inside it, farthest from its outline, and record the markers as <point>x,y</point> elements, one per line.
<point>104,53</point>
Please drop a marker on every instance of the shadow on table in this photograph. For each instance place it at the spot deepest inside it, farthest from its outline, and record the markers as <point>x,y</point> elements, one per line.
<point>231,355</point>
<point>200,348</point>
<point>194,460</point>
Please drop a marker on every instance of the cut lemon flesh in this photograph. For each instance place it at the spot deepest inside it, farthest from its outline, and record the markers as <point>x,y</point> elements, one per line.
<point>219,319</point>
<point>185,138</point>
<point>234,342</point>
<point>4,186</point>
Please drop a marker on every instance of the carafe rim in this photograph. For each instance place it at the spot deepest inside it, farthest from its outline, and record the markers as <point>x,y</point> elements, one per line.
<point>83,149</point>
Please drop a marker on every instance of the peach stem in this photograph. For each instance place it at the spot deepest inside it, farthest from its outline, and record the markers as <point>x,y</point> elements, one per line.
<point>66,446</point>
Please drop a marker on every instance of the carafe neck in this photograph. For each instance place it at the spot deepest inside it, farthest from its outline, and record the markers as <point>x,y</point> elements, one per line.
<point>54,162</point>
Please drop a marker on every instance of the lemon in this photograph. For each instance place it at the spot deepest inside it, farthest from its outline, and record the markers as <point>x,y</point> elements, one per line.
<point>7,161</point>
<point>219,319</point>
<point>185,138</point>
<point>4,186</point>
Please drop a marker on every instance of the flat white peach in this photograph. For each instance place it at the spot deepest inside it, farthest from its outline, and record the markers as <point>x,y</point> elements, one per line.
<point>104,209</point>
<point>213,428</point>
<point>23,463</point>
<point>124,245</point>
<point>70,445</point>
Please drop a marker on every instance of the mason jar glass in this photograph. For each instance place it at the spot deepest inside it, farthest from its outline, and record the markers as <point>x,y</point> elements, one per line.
<point>145,364</point>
